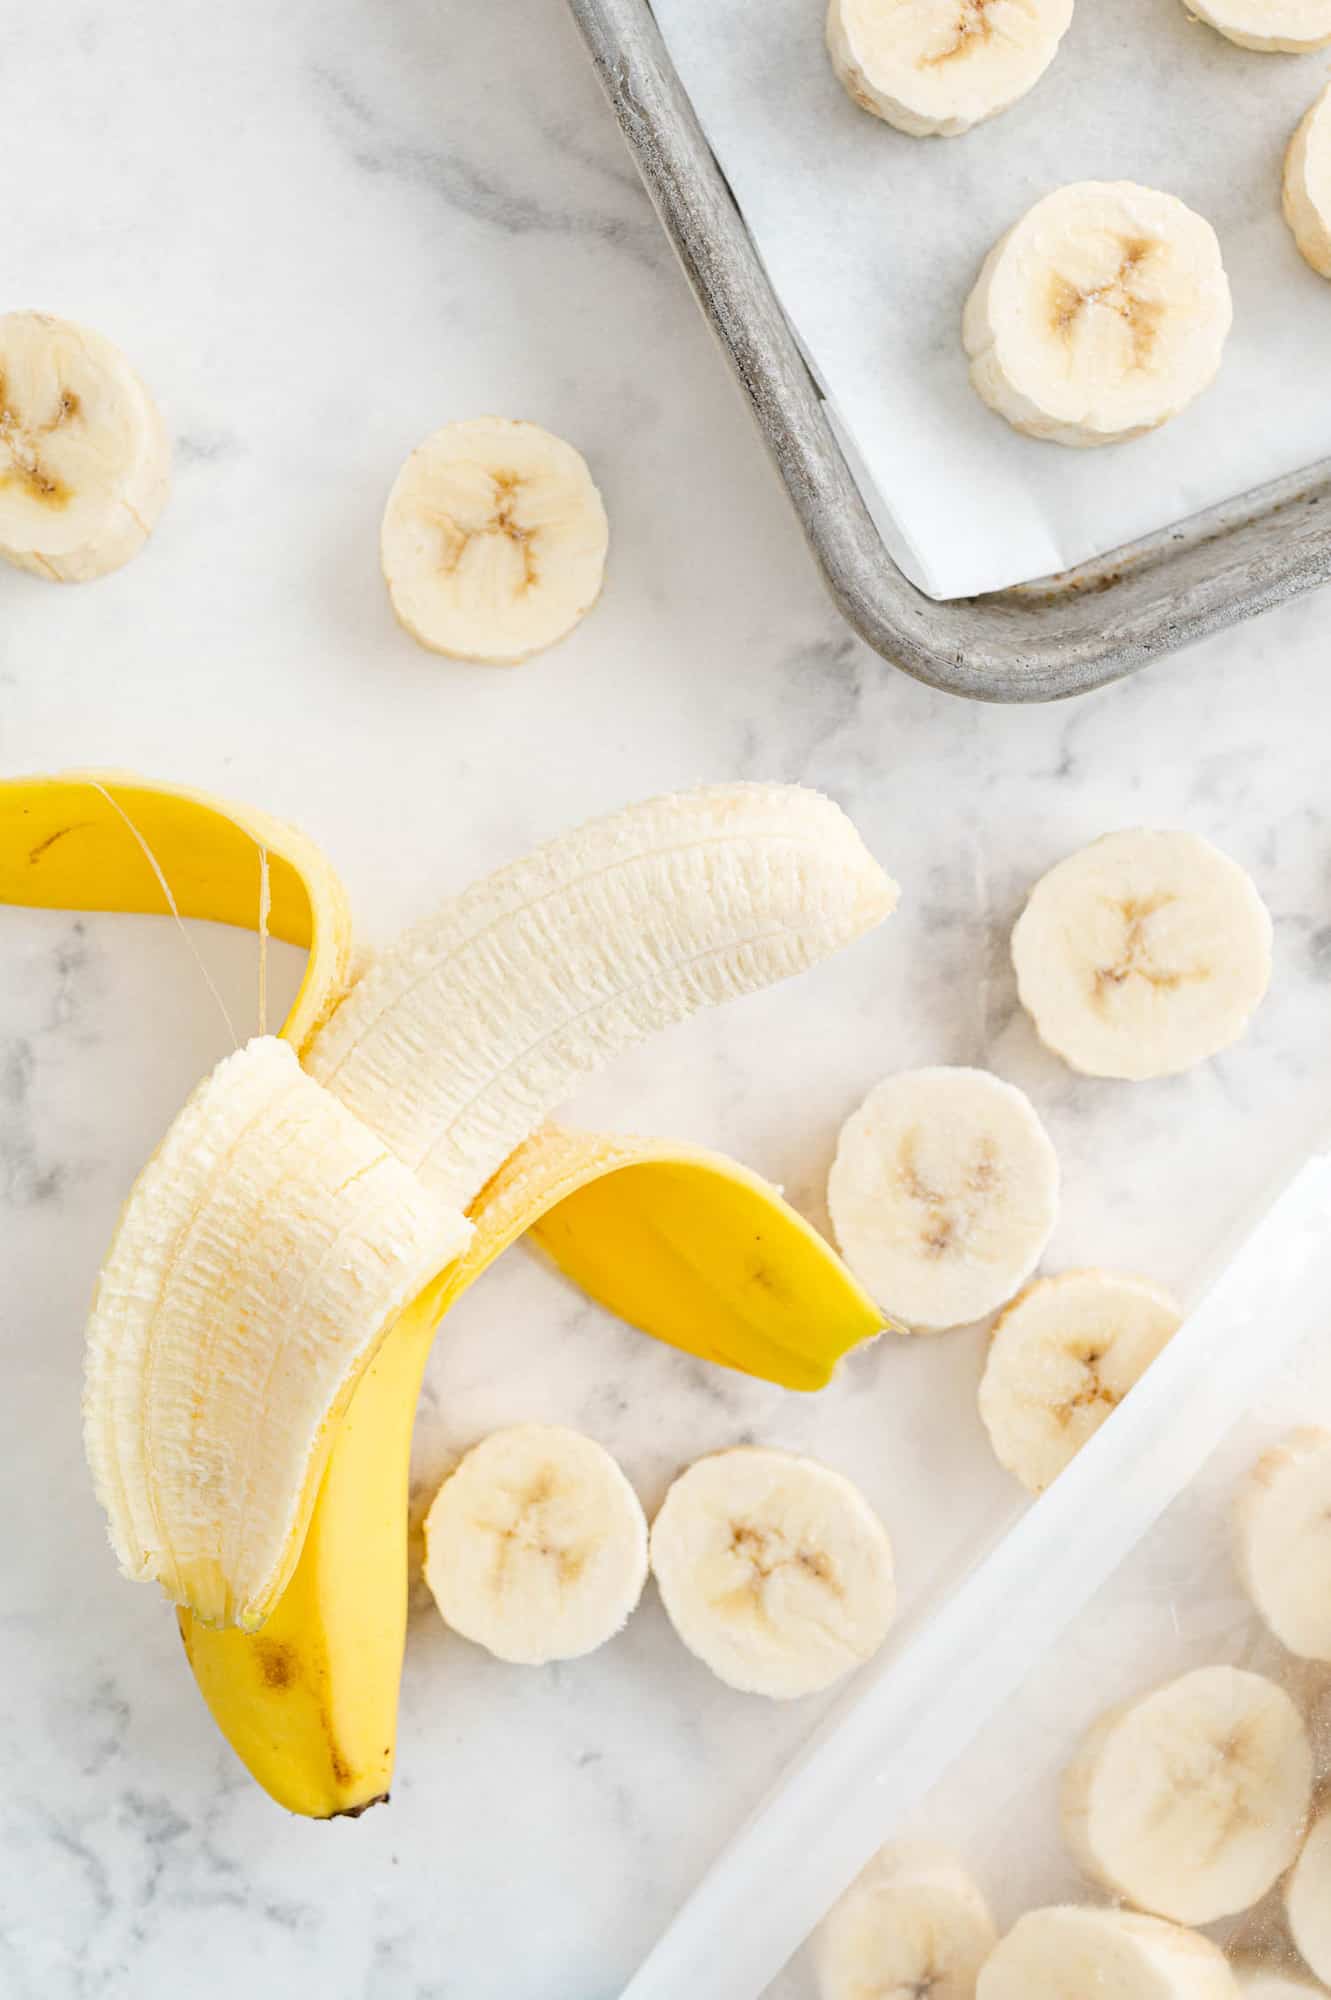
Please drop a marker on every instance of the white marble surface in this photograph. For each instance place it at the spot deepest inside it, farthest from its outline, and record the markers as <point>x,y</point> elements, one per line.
<point>320,230</point>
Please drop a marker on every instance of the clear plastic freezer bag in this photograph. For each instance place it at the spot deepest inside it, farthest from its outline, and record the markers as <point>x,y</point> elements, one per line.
<point>1120,1579</point>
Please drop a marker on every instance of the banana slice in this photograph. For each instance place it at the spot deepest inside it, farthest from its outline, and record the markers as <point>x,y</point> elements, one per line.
<point>1284,1542</point>
<point>774,1571</point>
<point>85,463</point>
<point>1191,1801</point>
<point>943,1194</point>
<point>1308,1900</point>
<point>940,66</point>
<point>1142,954</point>
<point>1062,1357</point>
<point>1069,1954</point>
<point>1291,27</point>
<point>264,1250</point>
<point>1099,316</point>
<point>466,1034</point>
<point>536,1546</point>
<point>913,1924</point>
<point>494,541</point>
<point>1307,187</point>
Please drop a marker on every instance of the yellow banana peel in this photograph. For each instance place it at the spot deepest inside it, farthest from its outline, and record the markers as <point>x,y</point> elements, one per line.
<point>682,1243</point>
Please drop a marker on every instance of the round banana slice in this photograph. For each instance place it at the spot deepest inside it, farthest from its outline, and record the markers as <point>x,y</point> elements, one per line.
<point>1284,1542</point>
<point>494,541</point>
<point>943,1194</point>
<point>1062,1357</point>
<point>1111,1953</point>
<point>1191,1801</point>
<point>940,66</point>
<point>914,1923</point>
<point>85,463</point>
<point>1099,316</point>
<point>774,1571</point>
<point>1308,1900</point>
<point>1289,27</point>
<point>1142,954</point>
<point>1307,190</point>
<point>536,1546</point>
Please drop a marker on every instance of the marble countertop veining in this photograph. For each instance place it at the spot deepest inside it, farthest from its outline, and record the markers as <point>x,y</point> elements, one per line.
<point>320,230</point>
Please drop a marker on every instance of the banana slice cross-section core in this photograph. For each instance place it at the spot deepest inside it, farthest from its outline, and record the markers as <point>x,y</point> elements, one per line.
<point>1191,1802</point>
<point>943,1194</point>
<point>776,1572</point>
<point>940,66</point>
<point>494,541</point>
<point>85,464</point>
<point>913,1923</point>
<point>536,1546</point>
<point>1144,953</point>
<point>1099,316</point>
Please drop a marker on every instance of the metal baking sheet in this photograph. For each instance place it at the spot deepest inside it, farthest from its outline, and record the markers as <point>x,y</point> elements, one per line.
<point>1037,642</point>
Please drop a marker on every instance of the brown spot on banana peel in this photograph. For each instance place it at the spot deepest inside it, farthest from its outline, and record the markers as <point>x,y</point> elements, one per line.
<point>277,1661</point>
<point>36,853</point>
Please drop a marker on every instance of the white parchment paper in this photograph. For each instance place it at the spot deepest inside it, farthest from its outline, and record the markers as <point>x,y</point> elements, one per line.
<point>874,239</point>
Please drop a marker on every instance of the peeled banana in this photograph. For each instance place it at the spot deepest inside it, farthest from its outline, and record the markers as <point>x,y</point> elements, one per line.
<point>940,66</point>
<point>1075,1953</point>
<point>1307,184</point>
<point>1308,1899</point>
<point>914,1923</point>
<point>308,1699</point>
<point>1284,1542</point>
<point>1289,27</point>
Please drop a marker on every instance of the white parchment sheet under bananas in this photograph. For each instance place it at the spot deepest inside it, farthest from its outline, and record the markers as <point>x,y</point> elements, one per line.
<point>1174,1613</point>
<point>874,239</point>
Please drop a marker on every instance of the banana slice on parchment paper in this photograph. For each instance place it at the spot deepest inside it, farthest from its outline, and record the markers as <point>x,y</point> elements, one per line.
<point>536,1546</point>
<point>1100,315</point>
<point>914,1923</point>
<point>1284,1542</point>
<point>494,541</point>
<point>1290,27</point>
<point>773,1570</point>
<point>1062,1357</point>
<point>1191,1801</point>
<point>85,463</point>
<point>1307,184</point>
<point>1089,1954</point>
<point>1142,954</point>
<point>1308,1900</point>
<point>940,66</point>
<point>943,1194</point>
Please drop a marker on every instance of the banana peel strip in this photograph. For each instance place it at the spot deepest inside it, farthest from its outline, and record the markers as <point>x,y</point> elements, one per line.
<point>684,1244</point>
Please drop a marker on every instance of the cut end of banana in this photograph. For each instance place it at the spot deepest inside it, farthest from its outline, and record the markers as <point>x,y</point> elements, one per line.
<point>1191,1802</point>
<point>943,1195</point>
<point>494,541</point>
<point>1099,316</point>
<point>1278,27</point>
<point>937,67</point>
<point>1308,1900</point>
<point>1072,1951</point>
<point>1142,954</point>
<point>1062,1358</point>
<point>85,463</point>
<point>914,1923</point>
<point>1307,186</point>
<point>774,1571</point>
<point>536,1547</point>
<point>264,1250</point>
<point>543,972</point>
<point>1284,1542</point>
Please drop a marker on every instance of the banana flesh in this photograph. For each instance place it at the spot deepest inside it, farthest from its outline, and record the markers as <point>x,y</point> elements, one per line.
<point>1284,1542</point>
<point>713,1262</point>
<point>1308,1899</point>
<point>1307,185</point>
<point>1068,1950</point>
<point>914,1923</point>
<point>547,970</point>
<point>937,67</point>
<point>493,542</point>
<point>1289,27</point>
<point>1099,316</point>
<point>85,462</point>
